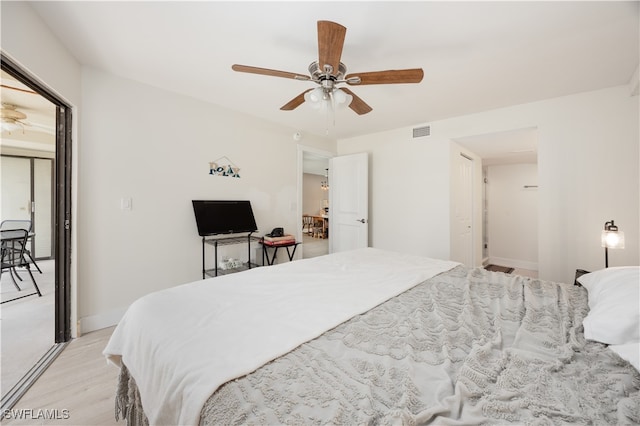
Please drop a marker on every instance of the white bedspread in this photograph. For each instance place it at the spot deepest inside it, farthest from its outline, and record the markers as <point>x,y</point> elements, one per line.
<point>182,343</point>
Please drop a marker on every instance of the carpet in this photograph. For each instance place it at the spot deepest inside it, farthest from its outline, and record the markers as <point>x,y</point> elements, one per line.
<point>497,268</point>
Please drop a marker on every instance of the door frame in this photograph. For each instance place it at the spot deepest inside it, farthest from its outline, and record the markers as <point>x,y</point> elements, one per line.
<point>62,199</point>
<point>300,185</point>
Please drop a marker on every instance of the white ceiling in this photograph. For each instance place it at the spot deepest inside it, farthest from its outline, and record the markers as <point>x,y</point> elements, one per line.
<point>38,131</point>
<point>509,147</point>
<point>476,55</point>
<point>315,164</point>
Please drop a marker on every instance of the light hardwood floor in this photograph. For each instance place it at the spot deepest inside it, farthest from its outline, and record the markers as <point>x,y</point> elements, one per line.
<point>525,272</point>
<point>79,387</point>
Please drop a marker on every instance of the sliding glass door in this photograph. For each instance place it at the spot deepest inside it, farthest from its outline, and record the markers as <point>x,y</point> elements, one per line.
<point>27,194</point>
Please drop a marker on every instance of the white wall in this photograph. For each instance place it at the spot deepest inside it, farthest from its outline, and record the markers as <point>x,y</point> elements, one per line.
<point>135,141</point>
<point>587,167</point>
<point>588,174</point>
<point>408,191</point>
<point>48,61</point>
<point>513,215</point>
<point>155,147</point>
<point>26,39</point>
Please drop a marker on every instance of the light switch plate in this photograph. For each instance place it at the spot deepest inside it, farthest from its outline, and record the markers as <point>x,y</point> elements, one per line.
<point>126,204</point>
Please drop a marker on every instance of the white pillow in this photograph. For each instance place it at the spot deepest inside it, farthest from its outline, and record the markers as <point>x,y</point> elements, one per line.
<point>614,305</point>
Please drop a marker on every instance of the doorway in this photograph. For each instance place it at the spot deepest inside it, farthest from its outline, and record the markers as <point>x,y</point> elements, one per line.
<point>313,201</point>
<point>509,197</point>
<point>40,137</point>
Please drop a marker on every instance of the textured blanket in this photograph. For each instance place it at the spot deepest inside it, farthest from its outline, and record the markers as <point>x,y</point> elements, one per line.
<point>468,346</point>
<point>182,343</point>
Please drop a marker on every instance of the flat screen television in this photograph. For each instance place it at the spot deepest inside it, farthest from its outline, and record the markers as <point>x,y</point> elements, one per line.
<point>223,217</point>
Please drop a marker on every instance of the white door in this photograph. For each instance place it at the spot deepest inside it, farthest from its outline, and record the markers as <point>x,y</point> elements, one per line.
<point>462,241</point>
<point>349,202</point>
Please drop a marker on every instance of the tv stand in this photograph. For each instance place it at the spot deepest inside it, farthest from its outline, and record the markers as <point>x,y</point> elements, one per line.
<point>217,241</point>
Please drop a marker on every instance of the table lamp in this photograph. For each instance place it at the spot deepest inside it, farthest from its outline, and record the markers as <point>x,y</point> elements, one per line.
<point>611,238</point>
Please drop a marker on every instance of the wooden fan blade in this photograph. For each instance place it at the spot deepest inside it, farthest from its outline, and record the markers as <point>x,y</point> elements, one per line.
<point>330,44</point>
<point>358,105</point>
<point>413,75</point>
<point>266,71</point>
<point>295,102</point>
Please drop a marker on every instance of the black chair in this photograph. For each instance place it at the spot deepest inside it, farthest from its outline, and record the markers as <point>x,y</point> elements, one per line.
<point>11,224</point>
<point>12,254</point>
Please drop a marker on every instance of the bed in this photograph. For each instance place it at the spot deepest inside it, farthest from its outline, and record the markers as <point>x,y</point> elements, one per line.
<point>377,337</point>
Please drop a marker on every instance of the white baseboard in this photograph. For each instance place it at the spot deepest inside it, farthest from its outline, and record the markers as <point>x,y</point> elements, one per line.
<point>513,263</point>
<point>100,321</point>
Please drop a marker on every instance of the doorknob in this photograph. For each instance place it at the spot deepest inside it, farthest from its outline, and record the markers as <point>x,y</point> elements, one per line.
<point>361,220</point>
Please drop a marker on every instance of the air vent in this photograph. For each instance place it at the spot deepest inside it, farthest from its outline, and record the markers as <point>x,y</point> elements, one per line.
<point>419,132</point>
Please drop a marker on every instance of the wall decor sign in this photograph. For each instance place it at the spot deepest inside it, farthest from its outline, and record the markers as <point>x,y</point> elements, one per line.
<point>224,167</point>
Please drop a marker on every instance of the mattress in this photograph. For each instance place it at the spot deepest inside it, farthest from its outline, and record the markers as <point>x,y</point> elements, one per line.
<point>465,346</point>
<point>182,343</point>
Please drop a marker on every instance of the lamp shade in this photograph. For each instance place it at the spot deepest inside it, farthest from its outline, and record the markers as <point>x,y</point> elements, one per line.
<point>315,96</point>
<point>323,99</point>
<point>10,126</point>
<point>341,97</point>
<point>612,239</point>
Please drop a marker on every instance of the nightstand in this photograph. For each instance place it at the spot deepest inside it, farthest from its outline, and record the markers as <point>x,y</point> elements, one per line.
<point>579,273</point>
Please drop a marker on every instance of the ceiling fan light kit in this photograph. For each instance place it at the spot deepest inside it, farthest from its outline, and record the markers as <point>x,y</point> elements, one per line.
<point>321,98</point>
<point>10,118</point>
<point>11,126</point>
<point>327,72</point>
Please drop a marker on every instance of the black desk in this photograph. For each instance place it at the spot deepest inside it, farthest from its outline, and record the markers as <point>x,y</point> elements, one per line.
<point>275,248</point>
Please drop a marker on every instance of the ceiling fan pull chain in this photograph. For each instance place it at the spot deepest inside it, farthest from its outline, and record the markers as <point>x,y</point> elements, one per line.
<point>333,108</point>
<point>328,118</point>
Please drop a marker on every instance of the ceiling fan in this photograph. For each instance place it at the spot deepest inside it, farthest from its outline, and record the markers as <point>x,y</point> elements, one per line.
<point>327,72</point>
<point>11,120</point>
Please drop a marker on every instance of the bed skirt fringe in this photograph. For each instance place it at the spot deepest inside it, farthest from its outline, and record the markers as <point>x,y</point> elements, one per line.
<point>128,405</point>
